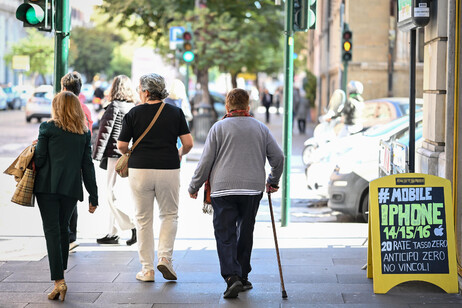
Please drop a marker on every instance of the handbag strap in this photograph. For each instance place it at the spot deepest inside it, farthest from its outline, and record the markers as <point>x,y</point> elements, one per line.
<point>149,127</point>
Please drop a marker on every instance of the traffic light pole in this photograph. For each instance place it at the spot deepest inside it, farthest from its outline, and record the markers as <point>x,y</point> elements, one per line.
<point>62,34</point>
<point>288,115</point>
<point>345,76</point>
<point>187,80</point>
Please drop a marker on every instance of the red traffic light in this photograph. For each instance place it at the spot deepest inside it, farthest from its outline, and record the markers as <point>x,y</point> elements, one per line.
<point>346,35</point>
<point>187,36</point>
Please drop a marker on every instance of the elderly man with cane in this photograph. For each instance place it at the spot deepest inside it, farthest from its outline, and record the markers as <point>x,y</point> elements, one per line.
<point>233,161</point>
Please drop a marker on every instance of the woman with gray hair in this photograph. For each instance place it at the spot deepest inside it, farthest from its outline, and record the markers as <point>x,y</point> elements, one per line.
<point>154,171</point>
<point>122,99</point>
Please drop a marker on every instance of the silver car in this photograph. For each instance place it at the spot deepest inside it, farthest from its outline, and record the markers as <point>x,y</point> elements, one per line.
<point>348,188</point>
<point>39,104</point>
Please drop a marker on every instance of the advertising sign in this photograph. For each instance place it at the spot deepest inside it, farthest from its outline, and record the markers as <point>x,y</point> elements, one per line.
<point>21,63</point>
<point>411,231</point>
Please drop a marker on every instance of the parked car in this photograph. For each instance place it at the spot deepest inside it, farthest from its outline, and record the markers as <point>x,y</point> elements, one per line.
<point>3,98</point>
<point>218,102</point>
<point>375,112</point>
<point>348,188</point>
<point>39,104</point>
<point>12,97</point>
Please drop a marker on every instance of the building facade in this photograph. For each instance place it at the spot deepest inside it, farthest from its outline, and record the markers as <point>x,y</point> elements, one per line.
<point>380,61</point>
<point>441,151</point>
<point>380,52</point>
<point>11,31</point>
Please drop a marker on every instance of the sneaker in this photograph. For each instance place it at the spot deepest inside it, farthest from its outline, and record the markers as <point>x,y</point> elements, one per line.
<point>145,275</point>
<point>234,287</point>
<point>73,245</point>
<point>133,239</point>
<point>108,239</point>
<point>166,268</point>
<point>246,284</point>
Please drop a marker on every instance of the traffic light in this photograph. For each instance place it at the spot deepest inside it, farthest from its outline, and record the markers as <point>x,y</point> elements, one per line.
<point>304,15</point>
<point>312,14</point>
<point>37,14</point>
<point>347,45</point>
<point>188,54</point>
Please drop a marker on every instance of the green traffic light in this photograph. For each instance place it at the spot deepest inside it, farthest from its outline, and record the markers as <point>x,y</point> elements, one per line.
<point>188,56</point>
<point>34,16</point>
<point>30,14</point>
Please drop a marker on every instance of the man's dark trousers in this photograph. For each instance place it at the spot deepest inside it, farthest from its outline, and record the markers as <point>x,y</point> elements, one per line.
<point>234,222</point>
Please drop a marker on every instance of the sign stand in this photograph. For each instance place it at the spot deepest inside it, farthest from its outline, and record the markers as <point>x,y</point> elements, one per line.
<point>411,232</point>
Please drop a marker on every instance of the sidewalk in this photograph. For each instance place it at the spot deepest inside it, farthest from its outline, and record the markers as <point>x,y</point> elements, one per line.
<point>321,263</point>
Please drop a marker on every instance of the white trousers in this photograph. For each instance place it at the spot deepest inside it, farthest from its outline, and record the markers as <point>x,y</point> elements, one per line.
<point>116,214</point>
<point>163,185</point>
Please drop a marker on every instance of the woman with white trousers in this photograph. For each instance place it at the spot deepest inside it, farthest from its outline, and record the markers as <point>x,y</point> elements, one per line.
<point>122,99</point>
<point>154,171</point>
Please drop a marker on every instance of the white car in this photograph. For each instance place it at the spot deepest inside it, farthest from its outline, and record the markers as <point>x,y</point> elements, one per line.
<point>348,187</point>
<point>39,104</point>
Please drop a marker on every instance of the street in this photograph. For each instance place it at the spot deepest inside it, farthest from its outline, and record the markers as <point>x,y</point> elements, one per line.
<point>16,134</point>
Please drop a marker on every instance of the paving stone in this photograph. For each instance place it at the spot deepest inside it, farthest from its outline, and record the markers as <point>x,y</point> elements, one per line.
<point>33,297</point>
<point>353,278</point>
<point>350,261</point>
<point>94,268</point>
<point>309,305</point>
<point>154,297</point>
<point>25,286</point>
<point>87,305</point>
<point>401,298</point>
<point>4,274</point>
<point>18,305</point>
<point>29,276</point>
<point>295,288</point>
<point>135,287</point>
<point>75,276</point>
<point>183,305</point>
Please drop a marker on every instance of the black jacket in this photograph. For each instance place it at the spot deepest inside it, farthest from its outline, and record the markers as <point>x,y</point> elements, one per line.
<point>109,130</point>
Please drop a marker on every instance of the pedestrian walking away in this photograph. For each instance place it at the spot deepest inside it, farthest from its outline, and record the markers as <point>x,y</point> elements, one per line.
<point>233,160</point>
<point>73,82</point>
<point>63,159</point>
<point>157,178</point>
<point>122,99</point>
<point>267,101</point>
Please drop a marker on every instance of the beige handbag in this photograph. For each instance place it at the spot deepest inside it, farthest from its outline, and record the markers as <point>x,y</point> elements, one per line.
<point>24,193</point>
<point>122,163</point>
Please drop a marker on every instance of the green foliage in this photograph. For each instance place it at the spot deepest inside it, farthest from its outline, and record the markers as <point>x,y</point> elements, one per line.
<point>40,50</point>
<point>120,64</point>
<point>233,35</point>
<point>309,85</point>
<point>92,50</point>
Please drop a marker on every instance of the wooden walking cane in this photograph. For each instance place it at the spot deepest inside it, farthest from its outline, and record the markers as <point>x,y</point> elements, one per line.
<point>284,293</point>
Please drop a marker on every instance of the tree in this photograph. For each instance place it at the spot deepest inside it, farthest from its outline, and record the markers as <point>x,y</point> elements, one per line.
<point>39,48</point>
<point>92,50</point>
<point>229,34</point>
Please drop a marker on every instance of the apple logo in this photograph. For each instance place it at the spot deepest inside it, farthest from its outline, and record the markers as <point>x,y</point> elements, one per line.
<point>438,231</point>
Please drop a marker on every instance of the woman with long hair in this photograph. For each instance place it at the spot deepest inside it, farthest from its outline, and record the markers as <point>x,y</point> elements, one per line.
<point>154,172</point>
<point>122,99</point>
<point>62,159</point>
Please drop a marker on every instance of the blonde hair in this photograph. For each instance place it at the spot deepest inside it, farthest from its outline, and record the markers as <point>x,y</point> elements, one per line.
<point>122,90</point>
<point>67,113</point>
<point>177,90</point>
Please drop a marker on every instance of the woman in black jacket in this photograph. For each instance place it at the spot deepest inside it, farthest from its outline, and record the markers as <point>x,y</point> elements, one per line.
<point>63,160</point>
<point>122,98</point>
